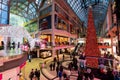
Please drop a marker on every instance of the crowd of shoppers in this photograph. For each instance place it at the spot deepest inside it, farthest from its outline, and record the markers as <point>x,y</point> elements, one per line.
<point>34,74</point>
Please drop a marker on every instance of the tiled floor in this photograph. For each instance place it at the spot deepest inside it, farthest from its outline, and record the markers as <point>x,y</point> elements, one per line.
<point>32,65</point>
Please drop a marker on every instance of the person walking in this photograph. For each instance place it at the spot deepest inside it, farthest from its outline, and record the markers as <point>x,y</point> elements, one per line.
<point>61,68</point>
<point>63,57</point>
<point>53,66</point>
<point>80,74</point>
<point>31,75</point>
<point>38,75</point>
<point>64,75</point>
<point>60,75</point>
<point>57,70</point>
<point>55,60</point>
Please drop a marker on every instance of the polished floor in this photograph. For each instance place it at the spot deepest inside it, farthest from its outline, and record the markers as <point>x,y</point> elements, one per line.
<point>46,74</point>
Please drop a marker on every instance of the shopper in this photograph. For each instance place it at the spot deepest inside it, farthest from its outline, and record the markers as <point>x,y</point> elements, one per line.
<point>64,75</point>
<point>80,75</point>
<point>31,75</point>
<point>38,76</point>
<point>58,63</point>
<point>51,66</point>
<point>91,76</point>
<point>36,73</point>
<point>60,75</point>
<point>57,70</point>
<point>86,75</point>
<point>55,60</point>
<point>61,68</point>
<point>63,57</point>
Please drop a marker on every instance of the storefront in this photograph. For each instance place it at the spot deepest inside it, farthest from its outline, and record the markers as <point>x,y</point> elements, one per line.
<point>105,46</point>
<point>44,53</point>
<point>60,40</point>
<point>46,38</point>
<point>45,46</point>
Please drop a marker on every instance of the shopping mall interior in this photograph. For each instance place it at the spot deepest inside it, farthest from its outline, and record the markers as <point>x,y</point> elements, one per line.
<point>59,39</point>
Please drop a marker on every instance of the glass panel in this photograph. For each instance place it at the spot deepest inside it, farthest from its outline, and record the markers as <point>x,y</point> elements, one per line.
<point>38,1</point>
<point>0,5</point>
<point>30,6</point>
<point>4,7</point>
<point>4,14</point>
<point>0,12</point>
<point>3,21</point>
<point>5,1</point>
<point>22,6</point>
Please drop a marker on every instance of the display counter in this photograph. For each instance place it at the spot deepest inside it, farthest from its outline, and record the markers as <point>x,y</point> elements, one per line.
<point>45,53</point>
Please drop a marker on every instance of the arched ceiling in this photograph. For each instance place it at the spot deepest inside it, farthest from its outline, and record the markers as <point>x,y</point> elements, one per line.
<point>26,8</point>
<point>99,8</point>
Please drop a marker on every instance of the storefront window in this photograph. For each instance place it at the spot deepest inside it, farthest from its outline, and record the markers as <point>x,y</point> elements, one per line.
<point>60,40</point>
<point>47,39</point>
<point>61,24</point>
<point>72,29</point>
<point>45,53</point>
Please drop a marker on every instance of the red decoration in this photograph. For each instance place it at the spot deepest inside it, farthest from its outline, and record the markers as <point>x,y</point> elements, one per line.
<point>91,48</point>
<point>0,76</point>
<point>92,62</point>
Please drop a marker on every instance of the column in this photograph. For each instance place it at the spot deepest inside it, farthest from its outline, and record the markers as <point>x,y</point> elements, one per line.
<point>53,27</point>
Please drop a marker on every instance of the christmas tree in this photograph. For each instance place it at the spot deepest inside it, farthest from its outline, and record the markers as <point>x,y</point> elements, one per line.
<point>92,51</point>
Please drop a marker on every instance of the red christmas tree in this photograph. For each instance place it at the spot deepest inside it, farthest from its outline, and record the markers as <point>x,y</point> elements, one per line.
<point>92,51</point>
